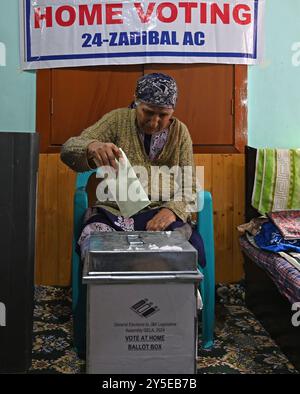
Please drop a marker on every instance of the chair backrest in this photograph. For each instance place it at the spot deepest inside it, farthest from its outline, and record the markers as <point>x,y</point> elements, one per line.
<point>82,179</point>
<point>81,200</point>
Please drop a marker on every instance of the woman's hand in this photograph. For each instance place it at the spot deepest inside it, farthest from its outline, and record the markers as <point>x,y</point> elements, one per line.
<point>103,153</point>
<point>161,220</point>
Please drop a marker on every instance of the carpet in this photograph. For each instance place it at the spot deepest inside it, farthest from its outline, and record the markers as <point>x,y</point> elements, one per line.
<point>241,346</point>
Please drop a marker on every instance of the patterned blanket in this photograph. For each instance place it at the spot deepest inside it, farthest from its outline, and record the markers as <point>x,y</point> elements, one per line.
<point>287,222</point>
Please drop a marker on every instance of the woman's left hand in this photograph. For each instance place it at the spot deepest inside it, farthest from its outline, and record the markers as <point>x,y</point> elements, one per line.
<point>161,220</point>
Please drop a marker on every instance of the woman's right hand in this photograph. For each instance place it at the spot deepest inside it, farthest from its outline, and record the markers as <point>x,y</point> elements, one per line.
<point>103,153</point>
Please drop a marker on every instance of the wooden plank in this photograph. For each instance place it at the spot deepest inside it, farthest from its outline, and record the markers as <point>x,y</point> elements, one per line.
<point>205,161</point>
<point>222,190</point>
<point>218,201</point>
<point>238,214</point>
<point>47,234</point>
<point>66,188</point>
<point>52,214</point>
<point>54,221</point>
<point>40,219</point>
<point>229,208</point>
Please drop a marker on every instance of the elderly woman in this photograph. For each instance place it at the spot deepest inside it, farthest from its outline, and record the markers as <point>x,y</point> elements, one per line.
<point>150,136</point>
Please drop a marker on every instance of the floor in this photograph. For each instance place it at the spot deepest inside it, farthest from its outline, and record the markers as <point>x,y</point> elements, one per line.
<point>241,346</point>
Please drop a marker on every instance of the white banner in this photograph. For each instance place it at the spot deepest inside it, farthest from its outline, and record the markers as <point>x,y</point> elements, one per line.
<point>61,33</point>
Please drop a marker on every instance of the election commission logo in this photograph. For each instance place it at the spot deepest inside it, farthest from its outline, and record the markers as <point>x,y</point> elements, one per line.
<point>144,308</point>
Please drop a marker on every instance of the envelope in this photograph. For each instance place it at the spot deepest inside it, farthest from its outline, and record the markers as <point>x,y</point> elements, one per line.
<point>126,188</point>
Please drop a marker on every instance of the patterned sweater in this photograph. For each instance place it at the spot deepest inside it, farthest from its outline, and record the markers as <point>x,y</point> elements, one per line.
<point>119,127</point>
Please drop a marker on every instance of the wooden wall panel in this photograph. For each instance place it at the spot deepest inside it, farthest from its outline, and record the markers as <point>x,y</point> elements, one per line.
<point>223,177</point>
<point>205,160</point>
<point>80,96</point>
<point>54,221</point>
<point>212,100</point>
<point>238,213</point>
<point>65,220</point>
<point>222,191</point>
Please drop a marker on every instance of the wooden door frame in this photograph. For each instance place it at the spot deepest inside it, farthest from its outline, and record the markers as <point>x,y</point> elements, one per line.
<point>44,108</point>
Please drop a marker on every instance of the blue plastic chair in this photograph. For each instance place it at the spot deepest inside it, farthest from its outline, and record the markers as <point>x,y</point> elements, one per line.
<point>207,285</point>
<point>205,227</point>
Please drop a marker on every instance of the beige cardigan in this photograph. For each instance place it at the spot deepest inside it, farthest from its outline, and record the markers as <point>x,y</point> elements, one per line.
<point>119,127</point>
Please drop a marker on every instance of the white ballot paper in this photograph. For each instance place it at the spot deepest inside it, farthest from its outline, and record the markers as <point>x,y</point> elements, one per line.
<point>126,189</point>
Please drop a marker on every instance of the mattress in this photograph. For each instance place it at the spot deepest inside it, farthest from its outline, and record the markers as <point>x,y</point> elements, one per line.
<point>284,275</point>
